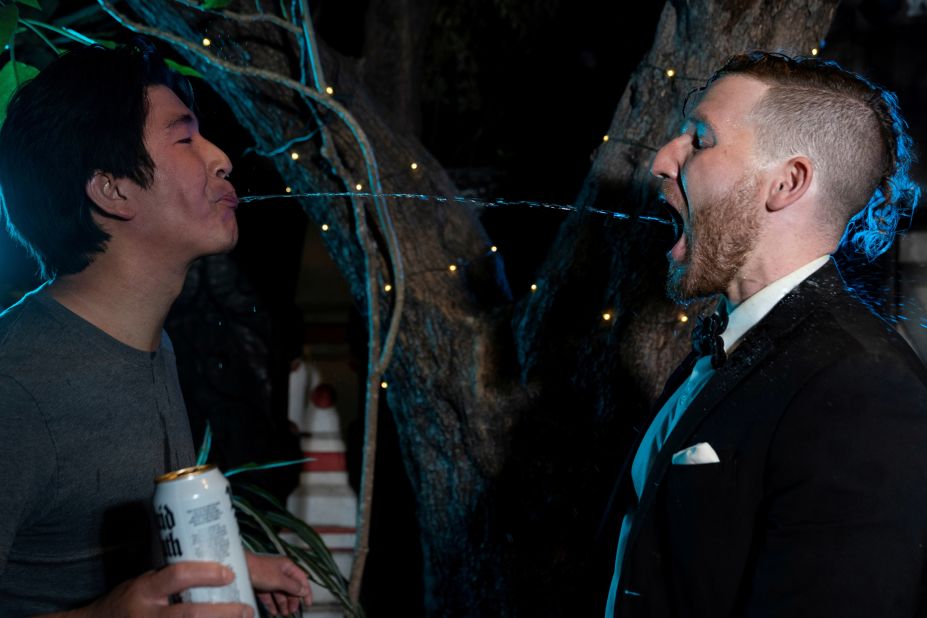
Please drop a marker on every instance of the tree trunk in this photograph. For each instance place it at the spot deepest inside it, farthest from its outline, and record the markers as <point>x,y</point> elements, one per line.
<point>394,58</point>
<point>513,417</point>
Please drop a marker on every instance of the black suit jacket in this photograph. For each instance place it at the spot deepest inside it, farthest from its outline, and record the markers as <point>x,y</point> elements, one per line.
<point>818,506</point>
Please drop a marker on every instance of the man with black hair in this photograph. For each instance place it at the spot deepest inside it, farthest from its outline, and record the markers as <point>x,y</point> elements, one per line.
<point>108,183</point>
<point>785,470</point>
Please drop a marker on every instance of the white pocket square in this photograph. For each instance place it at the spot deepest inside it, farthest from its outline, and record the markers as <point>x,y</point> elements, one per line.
<point>700,453</point>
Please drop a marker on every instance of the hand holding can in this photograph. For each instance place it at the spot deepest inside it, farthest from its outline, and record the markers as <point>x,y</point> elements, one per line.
<point>194,511</point>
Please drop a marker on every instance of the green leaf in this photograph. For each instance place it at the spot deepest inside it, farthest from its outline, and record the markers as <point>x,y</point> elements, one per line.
<point>31,3</point>
<point>257,517</point>
<point>9,18</point>
<point>214,5</point>
<point>260,527</point>
<point>183,69</point>
<point>10,81</point>
<point>203,455</point>
<point>251,467</point>
<point>238,487</point>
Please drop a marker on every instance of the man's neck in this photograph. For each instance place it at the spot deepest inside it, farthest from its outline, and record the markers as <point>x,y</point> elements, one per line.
<point>126,302</point>
<point>751,280</point>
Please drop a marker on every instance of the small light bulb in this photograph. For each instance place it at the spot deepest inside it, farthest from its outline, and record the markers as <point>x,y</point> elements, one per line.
<point>670,73</point>
<point>494,248</point>
<point>289,190</point>
<point>206,42</point>
<point>604,138</point>
<point>294,155</point>
<point>452,268</point>
<point>814,51</point>
<point>683,318</point>
<point>387,287</point>
<point>358,187</point>
<point>414,166</point>
<point>383,384</point>
<point>534,287</point>
<point>324,227</point>
<point>606,316</point>
<point>329,90</point>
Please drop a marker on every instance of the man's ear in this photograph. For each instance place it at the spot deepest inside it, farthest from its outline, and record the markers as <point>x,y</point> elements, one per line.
<point>105,191</point>
<point>790,182</point>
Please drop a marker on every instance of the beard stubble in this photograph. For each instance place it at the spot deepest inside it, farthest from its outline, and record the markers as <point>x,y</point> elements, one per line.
<point>718,240</point>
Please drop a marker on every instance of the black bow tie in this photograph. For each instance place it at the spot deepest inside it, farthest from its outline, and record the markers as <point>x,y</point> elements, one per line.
<point>706,338</point>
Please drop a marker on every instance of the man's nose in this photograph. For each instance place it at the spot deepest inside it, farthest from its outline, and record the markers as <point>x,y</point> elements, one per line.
<point>669,159</point>
<point>219,162</point>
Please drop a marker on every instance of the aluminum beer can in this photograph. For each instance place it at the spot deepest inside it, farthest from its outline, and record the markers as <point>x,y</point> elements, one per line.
<point>193,507</point>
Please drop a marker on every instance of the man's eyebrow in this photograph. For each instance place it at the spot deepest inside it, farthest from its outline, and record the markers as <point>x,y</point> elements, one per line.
<point>699,118</point>
<point>185,119</point>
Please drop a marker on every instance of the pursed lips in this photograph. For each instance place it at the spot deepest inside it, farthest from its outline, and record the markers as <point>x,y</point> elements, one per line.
<point>230,198</point>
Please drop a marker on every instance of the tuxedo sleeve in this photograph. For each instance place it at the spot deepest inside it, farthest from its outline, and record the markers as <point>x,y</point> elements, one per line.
<point>844,523</point>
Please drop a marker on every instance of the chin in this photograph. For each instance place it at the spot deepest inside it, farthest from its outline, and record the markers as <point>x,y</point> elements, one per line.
<point>684,285</point>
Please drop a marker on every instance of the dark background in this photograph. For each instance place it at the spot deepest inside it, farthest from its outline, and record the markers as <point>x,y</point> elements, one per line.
<point>516,97</point>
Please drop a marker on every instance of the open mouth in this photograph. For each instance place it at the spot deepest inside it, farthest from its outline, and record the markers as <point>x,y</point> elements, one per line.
<point>679,250</point>
<point>680,243</point>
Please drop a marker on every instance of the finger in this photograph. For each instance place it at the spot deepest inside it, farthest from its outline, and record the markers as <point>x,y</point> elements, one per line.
<point>208,610</point>
<point>281,599</point>
<point>297,579</point>
<point>292,605</point>
<point>180,576</point>
<point>277,574</point>
<point>267,601</point>
<point>273,608</point>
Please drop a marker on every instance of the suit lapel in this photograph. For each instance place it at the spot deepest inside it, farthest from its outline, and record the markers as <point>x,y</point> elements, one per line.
<point>756,344</point>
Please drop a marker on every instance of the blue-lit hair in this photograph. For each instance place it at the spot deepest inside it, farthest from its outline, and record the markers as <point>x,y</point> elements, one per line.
<point>892,195</point>
<point>872,230</point>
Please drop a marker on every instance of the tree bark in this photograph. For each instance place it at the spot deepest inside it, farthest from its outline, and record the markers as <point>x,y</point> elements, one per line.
<point>394,58</point>
<point>513,417</point>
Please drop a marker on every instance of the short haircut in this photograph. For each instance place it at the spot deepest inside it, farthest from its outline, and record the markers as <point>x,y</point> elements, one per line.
<point>82,114</point>
<point>850,128</point>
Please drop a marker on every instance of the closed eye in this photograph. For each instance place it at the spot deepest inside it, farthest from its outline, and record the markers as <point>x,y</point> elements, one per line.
<point>187,140</point>
<point>701,133</point>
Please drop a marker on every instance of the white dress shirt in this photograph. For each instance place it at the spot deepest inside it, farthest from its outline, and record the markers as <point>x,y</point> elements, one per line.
<point>742,318</point>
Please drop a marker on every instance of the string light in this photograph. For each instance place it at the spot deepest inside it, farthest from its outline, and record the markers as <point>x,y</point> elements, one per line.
<point>673,73</point>
<point>814,51</point>
<point>324,227</point>
<point>329,90</point>
<point>604,138</point>
<point>683,318</point>
<point>206,42</point>
<point>289,189</point>
<point>606,316</point>
<point>384,385</point>
<point>494,248</point>
<point>534,287</point>
<point>414,166</point>
<point>294,155</point>
<point>452,268</point>
<point>358,186</point>
<point>387,287</point>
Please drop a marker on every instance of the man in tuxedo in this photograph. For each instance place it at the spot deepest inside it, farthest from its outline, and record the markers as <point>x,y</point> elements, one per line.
<point>785,470</point>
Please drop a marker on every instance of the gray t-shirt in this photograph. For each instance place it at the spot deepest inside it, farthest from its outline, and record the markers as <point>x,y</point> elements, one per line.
<point>86,424</point>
